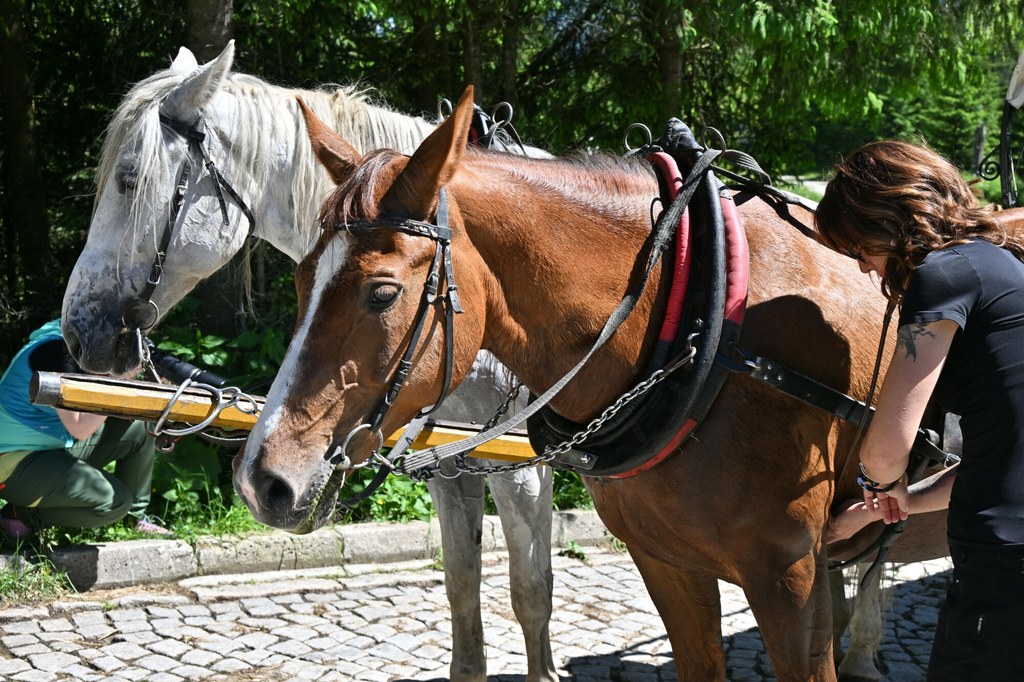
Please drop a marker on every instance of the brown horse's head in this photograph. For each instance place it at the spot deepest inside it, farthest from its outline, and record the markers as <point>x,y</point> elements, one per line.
<point>318,420</point>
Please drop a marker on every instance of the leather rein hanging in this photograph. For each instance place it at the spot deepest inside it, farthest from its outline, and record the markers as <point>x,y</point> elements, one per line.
<point>424,463</point>
<point>141,313</point>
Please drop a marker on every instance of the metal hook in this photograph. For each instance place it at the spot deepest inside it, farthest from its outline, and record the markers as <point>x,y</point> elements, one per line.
<point>496,117</point>
<point>444,108</point>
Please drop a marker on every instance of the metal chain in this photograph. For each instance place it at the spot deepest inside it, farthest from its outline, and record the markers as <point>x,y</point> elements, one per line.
<point>461,466</point>
<point>552,451</point>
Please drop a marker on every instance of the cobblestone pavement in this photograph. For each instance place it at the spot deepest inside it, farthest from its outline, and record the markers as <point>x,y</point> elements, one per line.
<point>368,623</point>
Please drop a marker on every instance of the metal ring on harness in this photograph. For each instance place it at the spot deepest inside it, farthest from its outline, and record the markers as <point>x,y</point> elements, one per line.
<point>339,458</point>
<point>502,107</point>
<point>141,314</point>
<point>648,138</point>
<point>717,138</point>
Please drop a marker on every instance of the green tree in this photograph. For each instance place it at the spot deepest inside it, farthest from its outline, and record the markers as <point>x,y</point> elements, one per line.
<point>794,82</point>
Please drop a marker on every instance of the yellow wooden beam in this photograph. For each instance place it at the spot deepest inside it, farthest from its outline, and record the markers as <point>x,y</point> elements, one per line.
<point>147,400</point>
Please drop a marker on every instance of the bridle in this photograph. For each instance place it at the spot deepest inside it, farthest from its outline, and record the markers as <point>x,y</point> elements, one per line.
<point>441,234</point>
<point>140,314</point>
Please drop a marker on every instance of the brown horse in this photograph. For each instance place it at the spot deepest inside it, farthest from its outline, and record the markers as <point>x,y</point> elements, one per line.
<point>542,252</point>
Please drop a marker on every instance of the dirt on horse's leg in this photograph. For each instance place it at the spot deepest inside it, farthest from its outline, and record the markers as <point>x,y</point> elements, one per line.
<point>866,630</point>
<point>840,613</point>
<point>691,609</point>
<point>460,511</point>
<point>523,499</point>
<point>792,607</point>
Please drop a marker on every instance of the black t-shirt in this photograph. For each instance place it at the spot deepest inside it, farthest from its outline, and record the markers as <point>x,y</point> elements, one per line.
<point>980,286</point>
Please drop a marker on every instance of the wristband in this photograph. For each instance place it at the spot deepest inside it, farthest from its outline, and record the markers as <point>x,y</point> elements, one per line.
<point>873,486</point>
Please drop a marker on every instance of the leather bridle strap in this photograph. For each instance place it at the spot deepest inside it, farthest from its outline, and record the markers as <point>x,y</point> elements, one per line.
<point>196,136</point>
<point>141,312</point>
<point>663,232</point>
<point>441,234</point>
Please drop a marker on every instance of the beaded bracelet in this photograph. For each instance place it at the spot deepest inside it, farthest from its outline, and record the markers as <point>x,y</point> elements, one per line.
<point>873,486</point>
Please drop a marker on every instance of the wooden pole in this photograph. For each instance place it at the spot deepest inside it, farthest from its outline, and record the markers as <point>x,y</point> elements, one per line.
<point>147,400</point>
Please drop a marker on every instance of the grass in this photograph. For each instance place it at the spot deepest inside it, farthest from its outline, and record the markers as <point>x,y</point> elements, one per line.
<point>24,581</point>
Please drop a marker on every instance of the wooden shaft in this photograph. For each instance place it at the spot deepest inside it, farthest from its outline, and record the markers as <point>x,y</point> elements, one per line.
<point>147,400</point>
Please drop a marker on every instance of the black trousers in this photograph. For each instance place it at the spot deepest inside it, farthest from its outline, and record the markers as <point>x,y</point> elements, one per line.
<point>980,633</point>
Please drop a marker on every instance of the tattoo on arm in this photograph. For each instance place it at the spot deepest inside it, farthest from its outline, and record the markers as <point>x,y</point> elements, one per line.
<point>906,338</point>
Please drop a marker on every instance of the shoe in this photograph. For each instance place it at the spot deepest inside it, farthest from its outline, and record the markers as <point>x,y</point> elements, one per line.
<point>149,526</point>
<point>12,526</point>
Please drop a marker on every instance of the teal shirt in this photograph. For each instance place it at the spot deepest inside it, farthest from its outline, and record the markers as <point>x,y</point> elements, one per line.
<point>23,425</point>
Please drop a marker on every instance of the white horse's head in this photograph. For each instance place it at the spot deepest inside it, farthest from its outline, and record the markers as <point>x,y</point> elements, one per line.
<point>146,154</point>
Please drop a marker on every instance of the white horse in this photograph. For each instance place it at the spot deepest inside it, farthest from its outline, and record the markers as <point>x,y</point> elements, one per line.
<point>256,138</point>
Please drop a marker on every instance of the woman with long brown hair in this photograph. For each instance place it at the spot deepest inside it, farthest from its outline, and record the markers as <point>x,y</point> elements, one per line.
<point>905,213</point>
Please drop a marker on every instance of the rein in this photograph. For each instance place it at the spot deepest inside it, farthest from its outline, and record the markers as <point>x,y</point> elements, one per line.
<point>423,463</point>
<point>141,313</point>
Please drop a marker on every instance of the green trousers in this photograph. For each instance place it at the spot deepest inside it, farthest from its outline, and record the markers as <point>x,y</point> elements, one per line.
<point>69,488</point>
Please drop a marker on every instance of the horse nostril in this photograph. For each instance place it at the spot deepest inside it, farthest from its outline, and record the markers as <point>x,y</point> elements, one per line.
<point>73,344</point>
<point>275,495</point>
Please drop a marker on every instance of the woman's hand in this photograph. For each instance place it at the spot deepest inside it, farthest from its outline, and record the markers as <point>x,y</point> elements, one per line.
<point>894,505</point>
<point>80,424</point>
<point>851,520</point>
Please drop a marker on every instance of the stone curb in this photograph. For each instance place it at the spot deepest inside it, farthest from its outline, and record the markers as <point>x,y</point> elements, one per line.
<point>139,562</point>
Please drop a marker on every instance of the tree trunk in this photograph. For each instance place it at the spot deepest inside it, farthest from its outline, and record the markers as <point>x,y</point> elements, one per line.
<point>471,57</point>
<point>221,298</point>
<point>209,27</point>
<point>424,47</point>
<point>509,51</point>
<point>28,261</point>
<point>669,56</point>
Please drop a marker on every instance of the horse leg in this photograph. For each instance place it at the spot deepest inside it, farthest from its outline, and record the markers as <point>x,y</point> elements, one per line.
<point>840,613</point>
<point>523,499</point>
<point>460,510</point>
<point>865,634</point>
<point>793,612</point>
<point>690,606</point>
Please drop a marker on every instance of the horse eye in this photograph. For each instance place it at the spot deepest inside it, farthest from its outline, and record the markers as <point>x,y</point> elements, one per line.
<point>382,296</point>
<point>126,176</point>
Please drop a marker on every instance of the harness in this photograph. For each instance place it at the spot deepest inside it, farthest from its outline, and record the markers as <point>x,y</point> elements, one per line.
<point>425,463</point>
<point>701,340</point>
<point>704,315</point>
<point>140,314</point>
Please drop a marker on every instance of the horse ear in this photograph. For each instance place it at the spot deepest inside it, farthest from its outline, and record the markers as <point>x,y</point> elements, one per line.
<point>185,62</point>
<point>432,165</point>
<point>337,156</point>
<point>183,102</point>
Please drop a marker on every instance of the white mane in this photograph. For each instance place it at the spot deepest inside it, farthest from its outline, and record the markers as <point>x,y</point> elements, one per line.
<point>262,114</point>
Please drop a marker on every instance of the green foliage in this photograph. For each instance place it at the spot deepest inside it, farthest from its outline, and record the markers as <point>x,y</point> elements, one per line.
<point>573,551</point>
<point>568,491</point>
<point>399,499</point>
